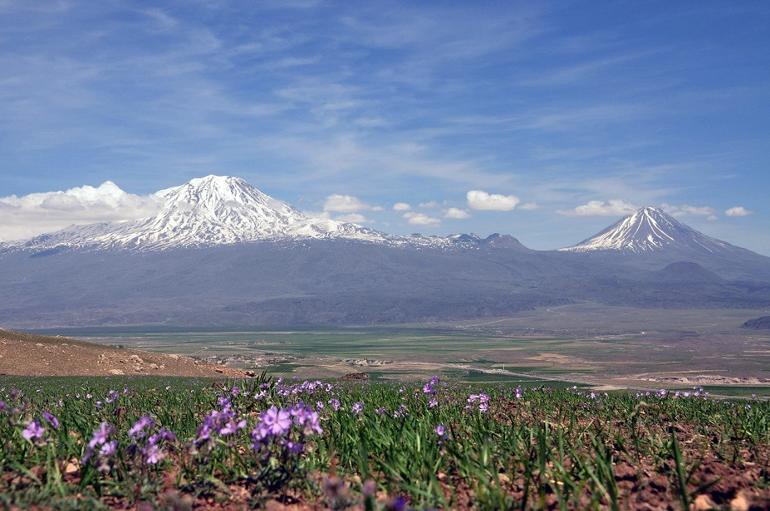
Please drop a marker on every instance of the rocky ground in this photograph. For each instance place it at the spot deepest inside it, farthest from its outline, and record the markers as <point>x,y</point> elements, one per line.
<point>33,355</point>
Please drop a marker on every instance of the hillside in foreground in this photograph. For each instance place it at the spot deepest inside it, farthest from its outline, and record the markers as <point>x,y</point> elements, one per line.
<point>34,355</point>
<point>183,444</point>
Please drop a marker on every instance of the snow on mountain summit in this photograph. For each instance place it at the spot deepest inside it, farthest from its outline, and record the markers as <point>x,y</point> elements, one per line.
<point>212,210</point>
<point>649,229</point>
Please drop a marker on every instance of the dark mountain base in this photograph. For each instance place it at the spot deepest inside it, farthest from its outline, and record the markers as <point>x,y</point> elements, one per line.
<point>338,283</point>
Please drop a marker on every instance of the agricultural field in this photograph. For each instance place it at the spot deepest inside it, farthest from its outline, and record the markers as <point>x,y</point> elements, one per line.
<point>177,443</point>
<point>571,346</point>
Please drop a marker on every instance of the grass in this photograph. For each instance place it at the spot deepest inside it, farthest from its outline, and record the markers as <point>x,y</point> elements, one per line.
<point>534,447</point>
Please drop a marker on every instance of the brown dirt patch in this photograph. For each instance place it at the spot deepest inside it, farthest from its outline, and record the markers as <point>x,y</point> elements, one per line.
<point>34,355</point>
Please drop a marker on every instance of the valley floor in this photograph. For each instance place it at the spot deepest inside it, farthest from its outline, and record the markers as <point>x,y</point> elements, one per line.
<point>585,345</point>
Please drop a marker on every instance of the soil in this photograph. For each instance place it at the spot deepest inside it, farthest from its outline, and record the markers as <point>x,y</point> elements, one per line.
<point>34,355</point>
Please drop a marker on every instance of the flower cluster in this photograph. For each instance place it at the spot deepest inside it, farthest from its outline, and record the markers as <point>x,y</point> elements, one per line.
<point>286,427</point>
<point>34,432</point>
<point>480,400</point>
<point>306,387</point>
<point>101,448</point>
<point>152,446</point>
<point>220,423</point>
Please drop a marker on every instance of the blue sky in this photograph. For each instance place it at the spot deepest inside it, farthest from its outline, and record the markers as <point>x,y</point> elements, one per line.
<point>564,114</point>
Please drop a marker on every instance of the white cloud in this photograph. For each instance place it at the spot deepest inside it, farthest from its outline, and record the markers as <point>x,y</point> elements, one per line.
<point>421,219</point>
<point>480,200</point>
<point>401,206</point>
<point>37,213</point>
<point>356,218</point>
<point>456,213</point>
<point>614,207</point>
<point>737,211</point>
<point>337,203</point>
<point>429,205</point>
<point>529,206</point>
<point>686,209</point>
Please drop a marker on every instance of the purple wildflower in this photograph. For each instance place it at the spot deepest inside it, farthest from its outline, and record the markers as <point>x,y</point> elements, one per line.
<point>108,449</point>
<point>101,445</point>
<point>231,427</point>
<point>402,411</point>
<point>51,419</point>
<point>440,430</point>
<point>357,408</point>
<point>33,431</point>
<point>396,504</point>
<point>137,430</point>
<point>224,402</point>
<point>482,400</point>
<point>275,421</point>
<point>335,404</point>
<point>153,454</point>
<point>369,489</point>
<point>101,435</point>
<point>169,436</point>
<point>433,403</point>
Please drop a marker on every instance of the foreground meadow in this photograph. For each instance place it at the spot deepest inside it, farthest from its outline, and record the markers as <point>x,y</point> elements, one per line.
<point>152,443</point>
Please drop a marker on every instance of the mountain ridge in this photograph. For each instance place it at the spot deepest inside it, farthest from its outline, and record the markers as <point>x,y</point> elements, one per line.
<point>223,210</point>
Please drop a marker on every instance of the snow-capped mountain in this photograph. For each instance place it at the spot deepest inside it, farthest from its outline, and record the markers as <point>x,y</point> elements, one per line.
<point>224,210</point>
<point>212,210</point>
<point>650,230</point>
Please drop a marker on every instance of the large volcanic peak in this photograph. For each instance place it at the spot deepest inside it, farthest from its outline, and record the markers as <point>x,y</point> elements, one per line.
<point>212,210</point>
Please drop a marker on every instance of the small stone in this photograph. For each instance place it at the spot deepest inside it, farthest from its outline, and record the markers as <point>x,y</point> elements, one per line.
<point>71,468</point>
<point>703,503</point>
<point>116,372</point>
<point>739,503</point>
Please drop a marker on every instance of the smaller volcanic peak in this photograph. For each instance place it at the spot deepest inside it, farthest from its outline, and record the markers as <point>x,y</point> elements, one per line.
<point>648,230</point>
